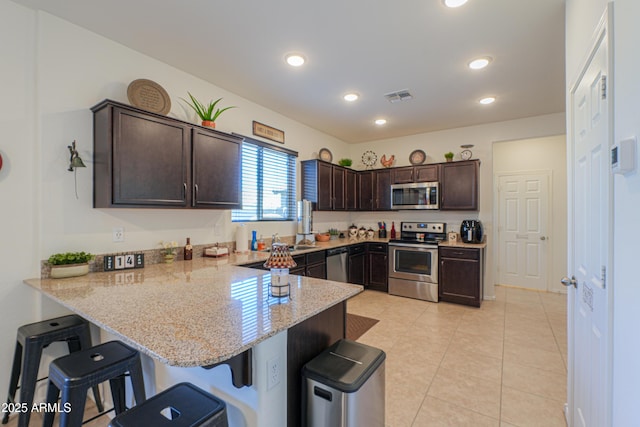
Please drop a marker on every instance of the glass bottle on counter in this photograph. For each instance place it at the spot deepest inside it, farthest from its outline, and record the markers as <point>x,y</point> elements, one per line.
<point>393,231</point>
<point>254,241</point>
<point>188,250</point>
<point>261,244</point>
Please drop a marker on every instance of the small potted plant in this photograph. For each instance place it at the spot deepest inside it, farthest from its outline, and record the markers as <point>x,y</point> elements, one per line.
<point>208,114</point>
<point>345,162</point>
<point>69,264</point>
<point>169,251</point>
<point>448,156</point>
<point>334,233</point>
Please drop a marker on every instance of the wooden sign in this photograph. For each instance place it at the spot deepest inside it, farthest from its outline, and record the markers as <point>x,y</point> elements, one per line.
<point>268,132</point>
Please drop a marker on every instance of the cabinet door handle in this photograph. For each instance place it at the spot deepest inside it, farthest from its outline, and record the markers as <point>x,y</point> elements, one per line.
<point>184,190</point>
<point>195,194</point>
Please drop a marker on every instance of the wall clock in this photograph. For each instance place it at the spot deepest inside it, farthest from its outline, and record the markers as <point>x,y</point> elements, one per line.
<point>369,158</point>
<point>466,153</point>
<point>417,157</point>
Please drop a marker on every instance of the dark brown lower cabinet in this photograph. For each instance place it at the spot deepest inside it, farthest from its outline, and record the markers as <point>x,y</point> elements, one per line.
<point>304,342</point>
<point>377,267</point>
<point>356,264</point>
<point>461,275</point>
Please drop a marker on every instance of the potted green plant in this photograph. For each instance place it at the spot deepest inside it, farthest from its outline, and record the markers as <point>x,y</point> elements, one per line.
<point>208,114</point>
<point>69,264</point>
<point>448,156</point>
<point>169,251</point>
<point>345,162</point>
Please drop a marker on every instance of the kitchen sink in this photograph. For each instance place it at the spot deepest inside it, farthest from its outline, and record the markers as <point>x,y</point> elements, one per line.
<point>293,248</point>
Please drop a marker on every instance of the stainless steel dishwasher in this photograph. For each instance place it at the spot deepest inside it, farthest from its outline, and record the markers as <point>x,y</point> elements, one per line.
<point>337,264</point>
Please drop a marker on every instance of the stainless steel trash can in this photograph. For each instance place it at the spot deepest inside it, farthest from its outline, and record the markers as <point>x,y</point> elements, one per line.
<point>344,387</point>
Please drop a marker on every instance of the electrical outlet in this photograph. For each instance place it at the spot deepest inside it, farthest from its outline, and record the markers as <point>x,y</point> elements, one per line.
<point>273,372</point>
<point>118,234</point>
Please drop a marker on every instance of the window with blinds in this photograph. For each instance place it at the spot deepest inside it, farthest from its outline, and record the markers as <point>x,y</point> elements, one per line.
<point>268,183</point>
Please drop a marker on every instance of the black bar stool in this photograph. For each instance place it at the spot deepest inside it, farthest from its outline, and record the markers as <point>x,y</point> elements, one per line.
<point>183,405</point>
<point>74,374</point>
<point>34,337</point>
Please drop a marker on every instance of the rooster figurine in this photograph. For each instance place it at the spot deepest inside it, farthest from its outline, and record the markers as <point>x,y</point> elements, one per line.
<point>387,162</point>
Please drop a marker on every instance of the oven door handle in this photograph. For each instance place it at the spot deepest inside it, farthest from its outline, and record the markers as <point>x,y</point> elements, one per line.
<point>413,245</point>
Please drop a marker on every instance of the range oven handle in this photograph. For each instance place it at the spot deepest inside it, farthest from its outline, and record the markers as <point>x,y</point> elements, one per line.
<point>415,246</point>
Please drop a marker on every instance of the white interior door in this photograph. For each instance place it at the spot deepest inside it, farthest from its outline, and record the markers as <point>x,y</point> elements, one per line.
<point>589,311</point>
<point>523,205</point>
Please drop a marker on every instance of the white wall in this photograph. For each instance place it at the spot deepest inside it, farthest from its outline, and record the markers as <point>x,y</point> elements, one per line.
<point>19,178</point>
<point>626,345</point>
<point>582,18</point>
<point>537,154</point>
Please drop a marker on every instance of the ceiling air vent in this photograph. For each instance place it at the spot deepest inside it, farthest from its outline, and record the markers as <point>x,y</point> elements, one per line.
<point>401,95</point>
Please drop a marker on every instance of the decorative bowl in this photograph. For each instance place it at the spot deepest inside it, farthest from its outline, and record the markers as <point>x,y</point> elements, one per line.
<point>323,237</point>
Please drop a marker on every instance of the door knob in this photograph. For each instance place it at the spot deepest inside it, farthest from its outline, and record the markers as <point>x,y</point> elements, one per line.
<point>543,238</point>
<point>569,282</point>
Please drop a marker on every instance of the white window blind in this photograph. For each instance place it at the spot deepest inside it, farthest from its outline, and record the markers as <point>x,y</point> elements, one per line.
<point>268,183</point>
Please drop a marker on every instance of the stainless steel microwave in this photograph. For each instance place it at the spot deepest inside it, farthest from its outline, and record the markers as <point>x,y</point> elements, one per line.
<point>417,195</point>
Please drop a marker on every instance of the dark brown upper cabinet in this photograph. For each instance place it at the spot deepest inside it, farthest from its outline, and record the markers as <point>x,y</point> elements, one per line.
<point>409,174</point>
<point>330,187</point>
<point>142,159</point>
<point>351,190</point>
<point>459,185</point>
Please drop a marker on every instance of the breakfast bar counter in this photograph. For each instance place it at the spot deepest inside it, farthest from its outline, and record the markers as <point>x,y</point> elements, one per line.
<point>209,313</point>
<point>192,313</point>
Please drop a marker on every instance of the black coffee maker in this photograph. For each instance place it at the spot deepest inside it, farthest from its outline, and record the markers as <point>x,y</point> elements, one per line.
<point>471,231</point>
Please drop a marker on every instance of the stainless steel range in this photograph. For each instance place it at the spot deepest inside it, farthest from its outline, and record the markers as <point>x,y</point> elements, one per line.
<point>413,260</point>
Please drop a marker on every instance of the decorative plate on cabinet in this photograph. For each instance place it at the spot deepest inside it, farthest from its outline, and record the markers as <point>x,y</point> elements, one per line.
<point>149,96</point>
<point>325,154</point>
<point>417,157</point>
<point>369,158</point>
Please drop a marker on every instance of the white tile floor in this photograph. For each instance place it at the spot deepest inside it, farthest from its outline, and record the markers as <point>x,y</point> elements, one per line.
<point>503,364</point>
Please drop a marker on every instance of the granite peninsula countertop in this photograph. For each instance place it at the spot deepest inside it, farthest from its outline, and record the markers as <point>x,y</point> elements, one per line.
<point>193,313</point>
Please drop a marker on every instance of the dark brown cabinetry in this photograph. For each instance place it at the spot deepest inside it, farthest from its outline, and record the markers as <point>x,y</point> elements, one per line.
<point>377,267</point>
<point>356,265</point>
<point>351,190</point>
<point>459,185</point>
<point>365,191</point>
<point>216,170</point>
<point>409,174</point>
<point>382,190</point>
<point>143,159</point>
<point>312,264</point>
<point>426,173</point>
<point>338,185</point>
<point>333,187</point>
<point>330,187</point>
<point>461,275</point>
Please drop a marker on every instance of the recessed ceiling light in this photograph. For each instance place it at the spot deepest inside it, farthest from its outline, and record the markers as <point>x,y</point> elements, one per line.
<point>454,3</point>
<point>380,122</point>
<point>488,100</point>
<point>295,59</point>
<point>480,63</point>
<point>351,97</point>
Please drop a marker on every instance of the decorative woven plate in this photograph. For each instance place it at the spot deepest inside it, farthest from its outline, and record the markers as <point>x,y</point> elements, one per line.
<point>417,157</point>
<point>149,95</point>
<point>325,154</point>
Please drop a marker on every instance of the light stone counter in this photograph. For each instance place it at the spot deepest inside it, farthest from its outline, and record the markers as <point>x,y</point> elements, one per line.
<point>193,313</point>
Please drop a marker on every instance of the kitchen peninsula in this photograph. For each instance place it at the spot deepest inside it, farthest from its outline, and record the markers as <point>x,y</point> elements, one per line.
<point>193,314</point>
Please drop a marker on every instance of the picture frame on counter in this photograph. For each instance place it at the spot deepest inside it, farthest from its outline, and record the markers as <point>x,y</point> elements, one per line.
<point>268,132</point>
